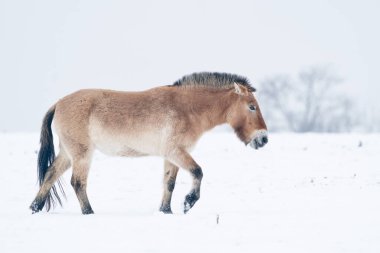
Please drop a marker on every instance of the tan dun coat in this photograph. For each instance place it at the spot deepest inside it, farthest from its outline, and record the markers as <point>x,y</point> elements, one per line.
<point>165,121</point>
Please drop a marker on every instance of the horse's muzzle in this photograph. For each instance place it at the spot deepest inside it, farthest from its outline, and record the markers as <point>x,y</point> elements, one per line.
<point>259,141</point>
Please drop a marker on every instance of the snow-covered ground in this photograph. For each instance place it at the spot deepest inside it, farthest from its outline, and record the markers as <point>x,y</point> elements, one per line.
<point>301,193</point>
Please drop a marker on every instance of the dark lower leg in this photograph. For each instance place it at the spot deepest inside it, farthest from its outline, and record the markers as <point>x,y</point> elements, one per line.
<point>80,186</point>
<point>170,175</point>
<point>183,159</point>
<point>195,192</point>
<point>59,166</point>
<point>37,204</point>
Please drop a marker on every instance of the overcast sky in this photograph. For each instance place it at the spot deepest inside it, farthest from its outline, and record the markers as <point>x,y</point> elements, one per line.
<point>51,48</point>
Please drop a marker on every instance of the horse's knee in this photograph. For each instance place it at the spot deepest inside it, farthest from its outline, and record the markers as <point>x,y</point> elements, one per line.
<point>197,173</point>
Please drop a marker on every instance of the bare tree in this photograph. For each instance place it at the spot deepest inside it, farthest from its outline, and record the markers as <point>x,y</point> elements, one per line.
<point>312,102</point>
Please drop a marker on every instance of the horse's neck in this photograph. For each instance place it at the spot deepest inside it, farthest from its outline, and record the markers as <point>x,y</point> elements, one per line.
<point>211,108</point>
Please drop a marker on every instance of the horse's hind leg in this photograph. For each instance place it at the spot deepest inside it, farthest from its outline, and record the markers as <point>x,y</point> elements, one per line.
<point>79,182</point>
<point>170,175</point>
<point>184,160</point>
<point>59,166</point>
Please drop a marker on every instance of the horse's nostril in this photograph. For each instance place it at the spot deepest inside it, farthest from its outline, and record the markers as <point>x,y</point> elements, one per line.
<point>265,140</point>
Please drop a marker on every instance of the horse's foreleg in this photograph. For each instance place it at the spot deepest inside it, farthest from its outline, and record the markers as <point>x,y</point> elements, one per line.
<point>184,160</point>
<point>170,175</point>
<point>79,183</point>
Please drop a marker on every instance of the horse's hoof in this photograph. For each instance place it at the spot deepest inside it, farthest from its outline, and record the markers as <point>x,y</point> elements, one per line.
<point>35,207</point>
<point>190,200</point>
<point>166,210</point>
<point>87,211</point>
<point>186,207</point>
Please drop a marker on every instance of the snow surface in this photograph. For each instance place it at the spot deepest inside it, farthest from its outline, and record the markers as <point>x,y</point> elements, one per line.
<point>301,193</point>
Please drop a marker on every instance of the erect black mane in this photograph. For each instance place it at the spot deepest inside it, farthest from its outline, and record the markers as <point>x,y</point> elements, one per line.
<point>213,80</point>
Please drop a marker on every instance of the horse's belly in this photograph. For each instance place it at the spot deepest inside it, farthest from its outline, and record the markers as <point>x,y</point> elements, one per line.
<point>118,150</point>
<point>124,144</point>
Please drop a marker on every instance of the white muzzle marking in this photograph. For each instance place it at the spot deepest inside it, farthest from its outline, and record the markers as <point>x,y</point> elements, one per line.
<point>259,139</point>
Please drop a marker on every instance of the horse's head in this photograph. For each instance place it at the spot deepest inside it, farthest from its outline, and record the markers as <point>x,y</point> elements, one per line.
<point>246,119</point>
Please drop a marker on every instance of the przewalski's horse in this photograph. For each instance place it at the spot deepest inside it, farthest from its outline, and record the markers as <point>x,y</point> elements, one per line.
<point>165,121</point>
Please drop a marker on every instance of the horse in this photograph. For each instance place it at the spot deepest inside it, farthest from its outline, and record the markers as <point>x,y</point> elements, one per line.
<point>165,121</point>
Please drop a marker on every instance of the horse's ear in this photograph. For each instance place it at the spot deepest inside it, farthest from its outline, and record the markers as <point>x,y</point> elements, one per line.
<point>238,89</point>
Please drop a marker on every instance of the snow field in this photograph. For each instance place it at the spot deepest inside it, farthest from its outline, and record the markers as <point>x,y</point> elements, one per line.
<point>300,193</point>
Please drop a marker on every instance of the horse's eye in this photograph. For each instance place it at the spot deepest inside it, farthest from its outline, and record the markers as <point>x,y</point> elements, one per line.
<point>252,108</point>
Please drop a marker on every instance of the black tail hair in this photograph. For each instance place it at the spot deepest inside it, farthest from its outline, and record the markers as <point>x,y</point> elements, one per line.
<point>46,157</point>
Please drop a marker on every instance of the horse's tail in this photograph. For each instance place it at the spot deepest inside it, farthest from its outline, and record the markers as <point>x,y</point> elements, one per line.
<point>46,157</point>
